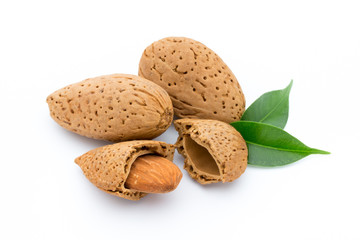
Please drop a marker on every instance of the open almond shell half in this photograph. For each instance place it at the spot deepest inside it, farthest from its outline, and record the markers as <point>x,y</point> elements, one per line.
<point>213,150</point>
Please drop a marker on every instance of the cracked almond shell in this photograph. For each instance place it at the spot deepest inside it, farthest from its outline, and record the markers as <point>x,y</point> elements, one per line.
<point>199,83</point>
<point>213,150</point>
<point>114,107</point>
<point>108,167</point>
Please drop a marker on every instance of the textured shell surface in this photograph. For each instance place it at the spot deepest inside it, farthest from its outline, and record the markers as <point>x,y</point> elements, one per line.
<point>114,107</point>
<point>199,83</point>
<point>213,150</point>
<point>108,167</point>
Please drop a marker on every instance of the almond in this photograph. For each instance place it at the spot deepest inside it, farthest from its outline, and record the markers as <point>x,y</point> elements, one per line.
<point>115,107</point>
<point>199,83</point>
<point>153,174</point>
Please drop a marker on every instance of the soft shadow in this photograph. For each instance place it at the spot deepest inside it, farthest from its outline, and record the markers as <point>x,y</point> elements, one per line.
<point>228,186</point>
<point>169,136</point>
<point>150,200</point>
<point>276,167</point>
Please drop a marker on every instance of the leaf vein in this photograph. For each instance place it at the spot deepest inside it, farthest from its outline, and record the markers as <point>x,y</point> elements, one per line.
<point>310,151</point>
<point>283,97</point>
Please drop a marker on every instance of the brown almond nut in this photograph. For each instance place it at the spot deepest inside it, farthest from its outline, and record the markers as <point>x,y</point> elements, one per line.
<point>213,150</point>
<point>108,167</point>
<point>153,174</point>
<point>199,83</point>
<point>114,107</point>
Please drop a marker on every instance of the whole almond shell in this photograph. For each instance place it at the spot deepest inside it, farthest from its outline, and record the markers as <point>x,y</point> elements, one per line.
<point>199,83</point>
<point>114,107</point>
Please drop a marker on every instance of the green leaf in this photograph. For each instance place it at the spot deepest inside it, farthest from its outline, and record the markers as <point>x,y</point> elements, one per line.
<point>271,146</point>
<point>271,108</point>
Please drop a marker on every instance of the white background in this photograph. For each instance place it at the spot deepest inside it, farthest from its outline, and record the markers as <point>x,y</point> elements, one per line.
<point>46,45</point>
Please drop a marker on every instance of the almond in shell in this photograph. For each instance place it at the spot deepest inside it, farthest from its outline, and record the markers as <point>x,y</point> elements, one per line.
<point>110,168</point>
<point>199,83</point>
<point>114,107</point>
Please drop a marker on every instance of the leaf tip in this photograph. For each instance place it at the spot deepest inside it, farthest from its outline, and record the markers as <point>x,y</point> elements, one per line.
<point>318,151</point>
<point>290,84</point>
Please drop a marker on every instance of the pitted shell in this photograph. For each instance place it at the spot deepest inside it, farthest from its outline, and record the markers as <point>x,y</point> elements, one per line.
<point>213,150</point>
<point>199,83</point>
<point>108,167</point>
<point>114,107</point>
